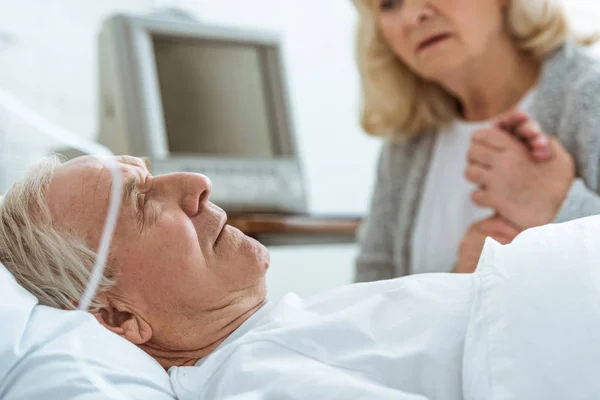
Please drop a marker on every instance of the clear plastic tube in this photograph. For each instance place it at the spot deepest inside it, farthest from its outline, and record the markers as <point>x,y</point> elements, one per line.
<point>71,140</point>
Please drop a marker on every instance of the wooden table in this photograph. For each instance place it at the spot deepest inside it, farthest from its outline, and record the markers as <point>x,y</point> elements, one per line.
<point>289,230</point>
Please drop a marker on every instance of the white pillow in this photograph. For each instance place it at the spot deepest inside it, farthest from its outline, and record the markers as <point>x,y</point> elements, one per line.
<point>16,306</point>
<point>37,353</point>
<point>535,327</point>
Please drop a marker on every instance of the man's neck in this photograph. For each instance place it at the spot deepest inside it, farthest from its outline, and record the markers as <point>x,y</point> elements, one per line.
<point>207,342</point>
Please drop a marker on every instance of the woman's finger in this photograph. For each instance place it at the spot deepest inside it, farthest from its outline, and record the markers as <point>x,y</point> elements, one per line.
<point>530,131</point>
<point>503,240</point>
<point>499,227</point>
<point>512,119</point>
<point>481,155</point>
<point>482,198</point>
<point>542,154</point>
<point>536,140</point>
<point>495,138</point>
<point>476,174</point>
<point>487,228</point>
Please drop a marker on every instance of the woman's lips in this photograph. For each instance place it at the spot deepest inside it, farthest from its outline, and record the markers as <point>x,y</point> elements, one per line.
<point>432,40</point>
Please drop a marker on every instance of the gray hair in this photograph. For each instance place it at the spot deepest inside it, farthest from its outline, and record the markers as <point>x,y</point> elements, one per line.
<point>53,264</point>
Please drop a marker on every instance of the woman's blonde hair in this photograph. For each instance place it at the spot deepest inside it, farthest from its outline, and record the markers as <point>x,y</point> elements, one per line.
<point>52,264</point>
<point>397,103</point>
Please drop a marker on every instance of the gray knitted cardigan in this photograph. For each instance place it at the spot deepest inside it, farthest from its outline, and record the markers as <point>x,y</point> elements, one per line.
<point>566,103</point>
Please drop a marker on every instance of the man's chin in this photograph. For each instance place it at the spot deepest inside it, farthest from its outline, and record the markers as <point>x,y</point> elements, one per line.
<point>260,252</point>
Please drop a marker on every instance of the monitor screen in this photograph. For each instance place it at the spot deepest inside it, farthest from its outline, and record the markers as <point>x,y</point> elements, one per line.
<point>214,97</point>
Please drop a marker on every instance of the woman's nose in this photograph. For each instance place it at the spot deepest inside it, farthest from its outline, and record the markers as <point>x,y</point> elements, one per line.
<point>417,12</point>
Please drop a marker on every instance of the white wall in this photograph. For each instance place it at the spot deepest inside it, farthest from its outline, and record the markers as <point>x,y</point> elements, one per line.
<point>585,14</point>
<point>48,61</point>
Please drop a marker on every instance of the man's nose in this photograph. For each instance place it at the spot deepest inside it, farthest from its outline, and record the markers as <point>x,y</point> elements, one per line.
<point>196,190</point>
<point>191,190</point>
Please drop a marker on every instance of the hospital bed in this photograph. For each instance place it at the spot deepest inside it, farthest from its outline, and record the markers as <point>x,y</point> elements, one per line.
<point>533,332</point>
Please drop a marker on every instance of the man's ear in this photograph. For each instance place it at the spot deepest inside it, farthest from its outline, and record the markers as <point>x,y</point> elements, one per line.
<point>118,318</point>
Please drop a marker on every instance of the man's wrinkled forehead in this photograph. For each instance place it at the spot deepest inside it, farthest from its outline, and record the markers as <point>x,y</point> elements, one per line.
<point>98,168</point>
<point>143,163</point>
<point>125,163</point>
<point>80,189</point>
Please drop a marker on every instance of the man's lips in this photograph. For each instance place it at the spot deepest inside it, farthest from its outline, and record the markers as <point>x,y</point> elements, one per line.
<point>432,40</point>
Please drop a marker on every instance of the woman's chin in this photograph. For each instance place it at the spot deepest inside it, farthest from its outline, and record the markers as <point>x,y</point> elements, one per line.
<point>438,70</point>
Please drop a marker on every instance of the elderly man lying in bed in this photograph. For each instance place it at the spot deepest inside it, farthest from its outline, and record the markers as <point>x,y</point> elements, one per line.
<point>190,291</point>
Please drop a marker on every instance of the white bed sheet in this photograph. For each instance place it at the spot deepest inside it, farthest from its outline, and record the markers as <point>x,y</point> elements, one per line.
<point>526,325</point>
<point>400,339</point>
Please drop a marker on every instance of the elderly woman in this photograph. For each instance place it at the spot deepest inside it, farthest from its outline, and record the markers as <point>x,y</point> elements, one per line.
<point>436,76</point>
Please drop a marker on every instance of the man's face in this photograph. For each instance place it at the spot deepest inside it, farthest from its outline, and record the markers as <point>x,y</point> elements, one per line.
<point>175,258</point>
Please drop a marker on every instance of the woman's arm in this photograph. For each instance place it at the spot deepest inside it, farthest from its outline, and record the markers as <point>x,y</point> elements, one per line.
<point>580,202</point>
<point>376,235</point>
<point>580,132</point>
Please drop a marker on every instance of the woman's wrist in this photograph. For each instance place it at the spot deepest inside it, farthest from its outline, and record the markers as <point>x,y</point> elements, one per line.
<point>560,199</point>
<point>555,202</point>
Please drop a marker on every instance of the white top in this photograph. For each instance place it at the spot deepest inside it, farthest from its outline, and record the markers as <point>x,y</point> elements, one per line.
<point>446,210</point>
<point>401,339</point>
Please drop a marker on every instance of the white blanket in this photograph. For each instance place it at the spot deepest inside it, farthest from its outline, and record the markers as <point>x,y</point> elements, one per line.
<point>525,326</point>
<point>400,339</point>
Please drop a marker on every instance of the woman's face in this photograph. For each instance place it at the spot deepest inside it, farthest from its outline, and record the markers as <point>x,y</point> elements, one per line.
<point>440,37</point>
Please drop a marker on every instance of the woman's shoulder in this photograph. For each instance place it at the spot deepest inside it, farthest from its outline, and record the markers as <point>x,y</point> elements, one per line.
<point>585,68</point>
<point>568,92</point>
<point>574,69</point>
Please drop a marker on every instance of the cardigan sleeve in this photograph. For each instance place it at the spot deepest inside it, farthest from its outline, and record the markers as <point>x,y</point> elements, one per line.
<point>581,132</point>
<point>376,235</point>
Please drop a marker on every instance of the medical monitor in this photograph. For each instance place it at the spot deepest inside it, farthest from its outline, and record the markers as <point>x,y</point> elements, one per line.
<point>205,99</point>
